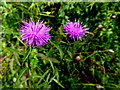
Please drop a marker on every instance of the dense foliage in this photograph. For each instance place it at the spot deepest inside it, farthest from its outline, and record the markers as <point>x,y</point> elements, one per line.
<point>62,63</point>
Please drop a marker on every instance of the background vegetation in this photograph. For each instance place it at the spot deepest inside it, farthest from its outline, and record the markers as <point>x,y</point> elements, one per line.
<point>55,65</point>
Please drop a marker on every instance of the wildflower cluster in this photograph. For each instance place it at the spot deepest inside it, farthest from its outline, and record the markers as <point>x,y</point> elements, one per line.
<point>37,34</point>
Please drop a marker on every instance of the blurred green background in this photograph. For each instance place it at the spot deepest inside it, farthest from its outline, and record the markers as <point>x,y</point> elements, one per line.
<point>55,65</point>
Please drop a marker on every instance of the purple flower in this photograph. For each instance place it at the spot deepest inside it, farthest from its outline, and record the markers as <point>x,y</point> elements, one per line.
<point>75,30</point>
<point>35,34</point>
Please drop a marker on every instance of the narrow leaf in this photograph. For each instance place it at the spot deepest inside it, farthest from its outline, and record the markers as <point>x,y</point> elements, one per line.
<point>58,83</point>
<point>16,51</point>
<point>47,58</point>
<point>43,76</point>
<point>60,50</point>
<point>22,72</point>
<point>27,54</point>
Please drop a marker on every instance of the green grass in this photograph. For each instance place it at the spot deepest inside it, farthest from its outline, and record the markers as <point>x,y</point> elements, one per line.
<point>54,65</point>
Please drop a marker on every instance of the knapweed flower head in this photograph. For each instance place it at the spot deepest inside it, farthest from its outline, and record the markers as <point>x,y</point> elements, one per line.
<point>75,30</point>
<point>35,33</point>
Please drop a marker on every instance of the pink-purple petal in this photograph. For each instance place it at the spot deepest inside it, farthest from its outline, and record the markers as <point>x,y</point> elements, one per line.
<point>35,34</point>
<point>74,30</point>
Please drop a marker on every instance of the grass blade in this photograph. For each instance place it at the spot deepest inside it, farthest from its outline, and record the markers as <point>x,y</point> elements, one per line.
<point>26,55</point>
<point>43,76</point>
<point>22,72</point>
<point>60,50</point>
<point>47,58</point>
<point>58,83</point>
<point>16,51</point>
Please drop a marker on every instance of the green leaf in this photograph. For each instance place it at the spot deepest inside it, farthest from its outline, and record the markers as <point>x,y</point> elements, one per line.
<point>25,80</point>
<point>60,50</point>
<point>58,83</point>
<point>21,73</point>
<point>37,76</point>
<point>47,15</point>
<point>27,54</point>
<point>16,51</point>
<point>43,76</point>
<point>69,53</point>
<point>47,58</point>
<point>52,65</point>
<point>48,77</point>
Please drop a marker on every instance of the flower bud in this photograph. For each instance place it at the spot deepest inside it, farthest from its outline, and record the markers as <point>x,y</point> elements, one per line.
<point>77,58</point>
<point>100,26</point>
<point>14,79</point>
<point>98,86</point>
<point>111,51</point>
<point>113,16</point>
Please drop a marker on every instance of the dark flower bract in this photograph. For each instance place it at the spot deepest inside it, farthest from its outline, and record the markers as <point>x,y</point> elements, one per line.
<point>35,34</point>
<point>75,30</point>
